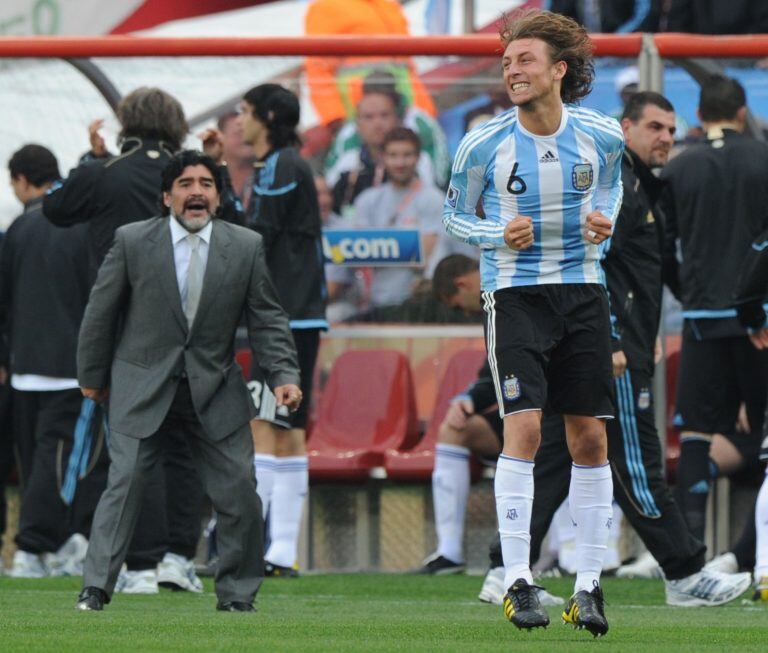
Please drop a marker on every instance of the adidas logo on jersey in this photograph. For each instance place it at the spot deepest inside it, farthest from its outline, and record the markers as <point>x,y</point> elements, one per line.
<point>548,157</point>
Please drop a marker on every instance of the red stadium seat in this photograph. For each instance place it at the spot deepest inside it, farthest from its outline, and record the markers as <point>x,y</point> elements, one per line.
<point>416,464</point>
<point>673,433</point>
<point>243,358</point>
<point>366,407</point>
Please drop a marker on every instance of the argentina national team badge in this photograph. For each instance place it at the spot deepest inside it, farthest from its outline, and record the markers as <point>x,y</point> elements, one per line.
<point>644,399</point>
<point>511,388</point>
<point>582,176</point>
<point>453,196</point>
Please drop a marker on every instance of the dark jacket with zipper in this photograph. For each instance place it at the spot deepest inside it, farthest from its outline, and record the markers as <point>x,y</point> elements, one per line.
<point>634,265</point>
<point>44,285</point>
<point>716,205</point>
<point>110,192</point>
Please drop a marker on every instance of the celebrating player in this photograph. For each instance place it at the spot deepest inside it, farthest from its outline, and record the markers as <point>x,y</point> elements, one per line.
<point>548,175</point>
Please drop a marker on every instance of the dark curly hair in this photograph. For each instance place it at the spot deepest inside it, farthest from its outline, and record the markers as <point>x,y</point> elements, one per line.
<point>278,108</point>
<point>567,40</point>
<point>176,166</point>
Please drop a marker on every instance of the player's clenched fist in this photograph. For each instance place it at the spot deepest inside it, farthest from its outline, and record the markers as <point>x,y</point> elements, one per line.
<point>518,234</point>
<point>597,228</point>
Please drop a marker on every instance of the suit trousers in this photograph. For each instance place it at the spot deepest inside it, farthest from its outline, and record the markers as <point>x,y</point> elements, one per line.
<point>44,428</point>
<point>226,470</point>
<point>170,516</point>
<point>639,486</point>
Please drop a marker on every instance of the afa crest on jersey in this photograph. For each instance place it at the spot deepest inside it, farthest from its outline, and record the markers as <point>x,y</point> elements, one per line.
<point>453,196</point>
<point>644,399</point>
<point>582,176</point>
<point>511,388</point>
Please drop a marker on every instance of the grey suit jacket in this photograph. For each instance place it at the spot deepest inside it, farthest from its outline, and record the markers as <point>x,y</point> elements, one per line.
<point>134,337</point>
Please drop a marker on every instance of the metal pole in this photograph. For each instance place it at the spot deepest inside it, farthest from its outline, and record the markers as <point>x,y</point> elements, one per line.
<point>469,16</point>
<point>99,79</point>
<point>651,66</point>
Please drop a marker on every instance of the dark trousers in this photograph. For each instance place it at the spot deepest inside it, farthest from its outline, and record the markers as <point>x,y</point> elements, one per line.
<point>170,517</point>
<point>6,453</point>
<point>639,487</point>
<point>44,427</point>
<point>226,470</point>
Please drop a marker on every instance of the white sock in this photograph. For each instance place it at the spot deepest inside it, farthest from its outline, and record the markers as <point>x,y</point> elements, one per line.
<point>450,489</point>
<point>562,524</point>
<point>612,558</point>
<point>590,500</point>
<point>514,500</point>
<point>761,526</point>
<point>288,495</point>
<point>264,466</point>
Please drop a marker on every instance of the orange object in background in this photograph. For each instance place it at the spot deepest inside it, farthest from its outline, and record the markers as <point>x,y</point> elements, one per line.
<point>335,83</point>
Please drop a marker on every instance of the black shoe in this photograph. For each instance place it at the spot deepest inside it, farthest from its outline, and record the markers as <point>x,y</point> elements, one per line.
<point>440,566</point>
<point>92,599</point>
<point>587,610</point>
<point>280,571</point>
<point>235,606</point>
<point>522,607</point>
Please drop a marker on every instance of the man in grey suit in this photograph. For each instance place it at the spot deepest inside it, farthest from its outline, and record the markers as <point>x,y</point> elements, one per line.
<point>157,342</point>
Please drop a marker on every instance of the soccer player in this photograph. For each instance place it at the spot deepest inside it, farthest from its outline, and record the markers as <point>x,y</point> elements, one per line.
<point>548,174</point>
<point>714,203</point>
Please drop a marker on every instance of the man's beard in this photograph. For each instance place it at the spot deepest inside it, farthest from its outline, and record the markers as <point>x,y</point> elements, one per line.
<point>193,225</point>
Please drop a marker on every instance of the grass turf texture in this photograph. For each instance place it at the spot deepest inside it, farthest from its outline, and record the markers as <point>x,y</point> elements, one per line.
<point>361,612</point>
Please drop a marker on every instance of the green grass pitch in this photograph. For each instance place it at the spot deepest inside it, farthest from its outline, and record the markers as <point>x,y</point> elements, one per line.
<point>362,612</point>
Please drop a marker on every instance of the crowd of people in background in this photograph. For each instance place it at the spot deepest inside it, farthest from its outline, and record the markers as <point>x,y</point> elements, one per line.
<point>386,166</point>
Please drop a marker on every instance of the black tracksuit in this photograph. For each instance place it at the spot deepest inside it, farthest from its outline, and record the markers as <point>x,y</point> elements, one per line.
<point>716,205</point>
<point>750,296</point>
<point>633,267</point>
<point>44,286</point>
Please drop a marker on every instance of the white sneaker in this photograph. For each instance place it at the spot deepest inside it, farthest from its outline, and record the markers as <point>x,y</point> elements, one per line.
<point>137,582</point>
<point>706,588</point>
<point>178,573</point>
<point>644,567</point>
<point>493,588</point>
<point>547,599</point>
<point>27,565</point>
<point>725,563</point>
<point>69,559</point>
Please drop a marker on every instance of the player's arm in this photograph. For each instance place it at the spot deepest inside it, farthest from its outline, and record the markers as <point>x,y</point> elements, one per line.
<point>670,266</point>
<point>631,214</point>
<point>73,199</point>
<point>751,291</point>
<point>230,206</point>
<point>599,223</point>
<point>460,217</point>
<point>98,330</point>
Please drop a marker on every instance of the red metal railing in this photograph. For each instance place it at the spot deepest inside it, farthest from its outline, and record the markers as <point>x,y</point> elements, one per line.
<point>480,45</point>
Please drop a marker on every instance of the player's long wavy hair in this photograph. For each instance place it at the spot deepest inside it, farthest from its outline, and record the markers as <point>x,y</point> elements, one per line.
<point>568,41</point>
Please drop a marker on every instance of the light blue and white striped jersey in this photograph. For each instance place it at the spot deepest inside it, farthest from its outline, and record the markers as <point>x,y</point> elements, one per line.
<point>556,180</point>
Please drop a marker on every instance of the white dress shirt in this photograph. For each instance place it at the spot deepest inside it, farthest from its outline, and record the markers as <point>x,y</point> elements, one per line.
<point>182,251</point>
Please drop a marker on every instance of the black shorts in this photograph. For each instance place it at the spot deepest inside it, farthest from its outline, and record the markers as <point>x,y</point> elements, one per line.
<point>715,376</point>
<point>307,345</point>
<point>549,348</point>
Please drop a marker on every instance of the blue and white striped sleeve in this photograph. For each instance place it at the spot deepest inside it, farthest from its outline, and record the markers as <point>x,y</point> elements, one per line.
<point>466,187</point>
<point>610,190</point>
